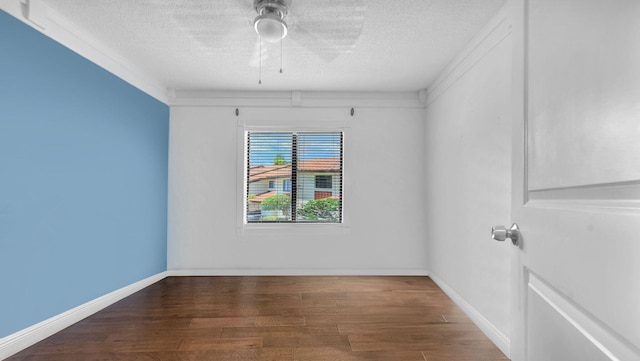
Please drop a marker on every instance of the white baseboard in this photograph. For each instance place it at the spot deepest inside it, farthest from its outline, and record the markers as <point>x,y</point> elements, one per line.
<point>296,272</point>
<point>497,337</point>
<point>22,339</point>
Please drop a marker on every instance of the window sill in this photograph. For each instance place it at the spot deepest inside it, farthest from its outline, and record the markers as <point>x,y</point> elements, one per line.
<point>294,228</point>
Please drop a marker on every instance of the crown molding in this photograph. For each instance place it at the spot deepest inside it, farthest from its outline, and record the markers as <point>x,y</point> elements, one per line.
<point>304,99</point>
<point>495,32</point>
<point>38,15</point>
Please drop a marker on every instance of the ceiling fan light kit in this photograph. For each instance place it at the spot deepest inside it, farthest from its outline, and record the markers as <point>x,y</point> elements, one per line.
<point>269,23</point>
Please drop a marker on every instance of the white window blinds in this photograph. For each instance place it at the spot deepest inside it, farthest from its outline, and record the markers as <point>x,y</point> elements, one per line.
<point>294,177</point>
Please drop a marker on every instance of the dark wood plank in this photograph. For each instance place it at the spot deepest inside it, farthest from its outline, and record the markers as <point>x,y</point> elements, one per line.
<point>325,354</point>
<point>278,331</point>
<point>275,318</point>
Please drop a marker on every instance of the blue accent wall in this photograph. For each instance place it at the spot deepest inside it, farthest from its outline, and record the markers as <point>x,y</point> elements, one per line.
<point>83,179</point>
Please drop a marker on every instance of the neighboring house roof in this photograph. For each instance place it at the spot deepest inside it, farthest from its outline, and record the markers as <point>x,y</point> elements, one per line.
<point>262,172</point>
<point>319,165</point>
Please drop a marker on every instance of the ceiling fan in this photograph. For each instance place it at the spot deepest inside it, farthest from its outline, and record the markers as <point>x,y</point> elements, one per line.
<point>328,29</point>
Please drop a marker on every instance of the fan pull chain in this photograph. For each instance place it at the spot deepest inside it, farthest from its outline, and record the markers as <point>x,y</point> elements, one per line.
<point>260,62</point>
<point>281,40</point>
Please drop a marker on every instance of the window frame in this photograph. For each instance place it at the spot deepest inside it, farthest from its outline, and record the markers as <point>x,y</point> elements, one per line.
<point>288,123</point>
<point>294,185</point>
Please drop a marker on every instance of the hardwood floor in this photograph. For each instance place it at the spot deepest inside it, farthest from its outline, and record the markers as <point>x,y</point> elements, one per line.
<point>275,318</point>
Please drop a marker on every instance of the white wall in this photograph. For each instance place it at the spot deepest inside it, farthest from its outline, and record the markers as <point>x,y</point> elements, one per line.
<point>468,186</point>
<point>383,197</point>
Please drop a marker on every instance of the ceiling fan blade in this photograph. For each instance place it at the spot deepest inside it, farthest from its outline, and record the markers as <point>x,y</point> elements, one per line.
<point>329,28</point>
<point>212,24</point>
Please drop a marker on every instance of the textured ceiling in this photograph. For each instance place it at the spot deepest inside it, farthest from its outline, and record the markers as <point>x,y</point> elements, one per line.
<point>333,45</point>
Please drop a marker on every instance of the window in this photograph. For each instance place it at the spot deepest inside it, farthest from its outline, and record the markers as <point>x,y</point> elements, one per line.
<point>323,181</point>
<point>301,162</point>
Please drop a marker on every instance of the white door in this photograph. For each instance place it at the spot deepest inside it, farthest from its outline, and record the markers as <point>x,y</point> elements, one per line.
<point>576,180</point>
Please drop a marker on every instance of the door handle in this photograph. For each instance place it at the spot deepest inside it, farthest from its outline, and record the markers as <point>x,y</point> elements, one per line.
<point>501,233</point>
